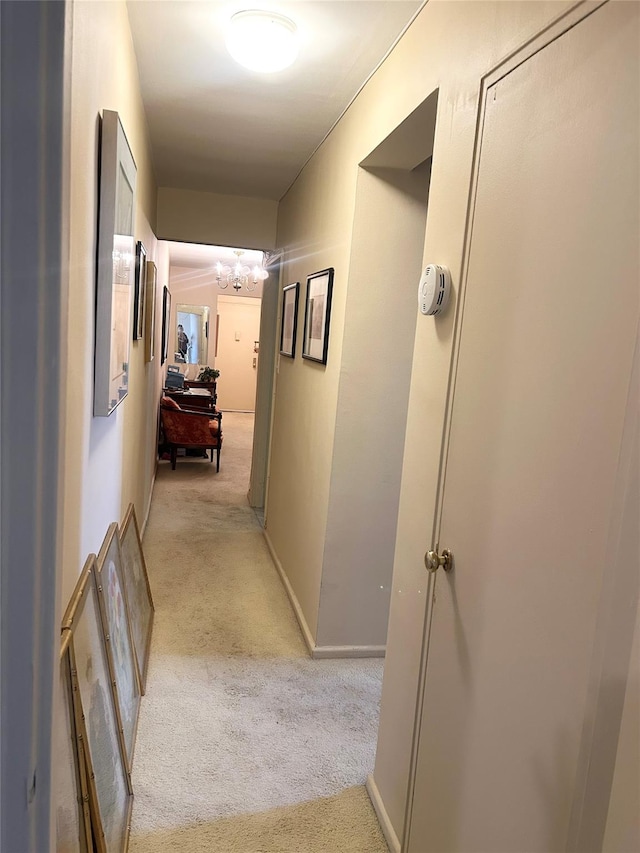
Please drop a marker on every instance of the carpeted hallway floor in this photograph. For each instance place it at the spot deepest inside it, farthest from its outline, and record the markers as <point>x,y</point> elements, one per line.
<point>245,745</point>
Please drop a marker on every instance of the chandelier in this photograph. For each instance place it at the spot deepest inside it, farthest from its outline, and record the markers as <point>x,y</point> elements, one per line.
<point>239,275</point>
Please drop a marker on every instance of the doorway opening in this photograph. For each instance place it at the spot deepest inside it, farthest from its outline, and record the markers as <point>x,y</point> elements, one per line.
<point>224,305</point>
<point>215,316</point>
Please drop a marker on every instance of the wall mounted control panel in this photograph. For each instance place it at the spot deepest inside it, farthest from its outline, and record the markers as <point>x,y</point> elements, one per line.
<point>434,289</point>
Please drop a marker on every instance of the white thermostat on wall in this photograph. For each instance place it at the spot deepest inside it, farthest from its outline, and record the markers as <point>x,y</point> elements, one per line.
<point>433,290</point>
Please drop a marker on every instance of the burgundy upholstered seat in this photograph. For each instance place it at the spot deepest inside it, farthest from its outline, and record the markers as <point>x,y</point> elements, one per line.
<point>190,429</point>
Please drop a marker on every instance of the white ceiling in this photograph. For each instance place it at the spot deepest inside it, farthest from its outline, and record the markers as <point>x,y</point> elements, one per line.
<point>218,127</point>
<point>198,256</point>
<point>193,264</point>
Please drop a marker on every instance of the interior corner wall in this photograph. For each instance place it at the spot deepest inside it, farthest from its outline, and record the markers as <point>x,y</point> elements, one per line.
<point>448,48</point>
<point>218,220</point>
<point>108,461</point>
<point>315,227</point>
<point>386,257</point>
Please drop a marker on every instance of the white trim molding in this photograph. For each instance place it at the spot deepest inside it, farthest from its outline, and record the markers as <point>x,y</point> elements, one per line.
<point>393,842</point>
<point>295,604</point>
<point>324,652</point>
<point>149,502</point>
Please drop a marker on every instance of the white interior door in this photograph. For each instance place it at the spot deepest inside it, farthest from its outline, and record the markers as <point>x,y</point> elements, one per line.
<point>546,349</point>
<point>236,359</point>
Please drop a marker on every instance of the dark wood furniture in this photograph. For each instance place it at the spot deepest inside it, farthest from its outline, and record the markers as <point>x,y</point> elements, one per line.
<point>190,429</point>
<point>198,398</point>
<point>211,387</point>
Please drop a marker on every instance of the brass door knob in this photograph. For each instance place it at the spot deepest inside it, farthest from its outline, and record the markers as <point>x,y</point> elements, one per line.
<point>433,560</point>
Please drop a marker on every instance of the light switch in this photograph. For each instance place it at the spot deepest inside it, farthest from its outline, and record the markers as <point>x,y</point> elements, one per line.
<point>237,336</point>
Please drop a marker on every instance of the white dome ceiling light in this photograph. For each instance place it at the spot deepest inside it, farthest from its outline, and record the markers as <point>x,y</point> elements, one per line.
<point>262,41</point>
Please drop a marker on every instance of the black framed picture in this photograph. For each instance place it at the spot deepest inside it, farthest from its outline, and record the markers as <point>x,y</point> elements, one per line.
<point>150,311</point>
<point>139,291</point>
<point>290,295</point>
<point>166,317</point>
<point>317,313</point>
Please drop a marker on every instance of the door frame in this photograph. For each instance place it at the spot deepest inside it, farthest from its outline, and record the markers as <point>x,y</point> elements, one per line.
<point>35,130</point>
<point>267,362</point>
<point>555,29</point>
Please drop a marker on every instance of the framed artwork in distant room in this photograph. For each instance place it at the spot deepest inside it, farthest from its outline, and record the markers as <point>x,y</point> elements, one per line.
<point>139,290</point>
<point>289,320</point>
<point>117,630</point>
<point>115,267</point>
<point>109,782</point>
<point>166,317</point>
<point>150,312</point>
<point>136,581</point>
<point>73,822</point>
<point>317,313</point>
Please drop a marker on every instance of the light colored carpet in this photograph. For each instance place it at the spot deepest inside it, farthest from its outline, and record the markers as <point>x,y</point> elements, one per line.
<point>245,745</point>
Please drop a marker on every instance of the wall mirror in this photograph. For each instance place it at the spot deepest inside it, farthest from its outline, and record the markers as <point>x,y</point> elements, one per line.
<point>192,334</point>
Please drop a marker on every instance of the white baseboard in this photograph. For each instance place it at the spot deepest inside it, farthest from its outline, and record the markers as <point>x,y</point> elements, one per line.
<point>297,609</point>
<point>146,515</point>
<point>323,652</point>
<point>318,652</point>
<point>381,813</point>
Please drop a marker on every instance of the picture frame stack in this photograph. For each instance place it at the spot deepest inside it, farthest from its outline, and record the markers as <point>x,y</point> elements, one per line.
<point>104,655</point>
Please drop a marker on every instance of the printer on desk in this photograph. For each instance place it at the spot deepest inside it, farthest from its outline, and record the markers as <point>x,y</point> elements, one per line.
<point>175,379</point>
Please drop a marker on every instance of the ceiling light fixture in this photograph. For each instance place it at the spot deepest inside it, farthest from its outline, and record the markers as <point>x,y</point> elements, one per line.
<point>239,275</point>
<point>262,41</point>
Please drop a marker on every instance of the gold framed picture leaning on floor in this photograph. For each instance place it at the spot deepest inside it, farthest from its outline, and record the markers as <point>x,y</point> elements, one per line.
<point>109,782</point>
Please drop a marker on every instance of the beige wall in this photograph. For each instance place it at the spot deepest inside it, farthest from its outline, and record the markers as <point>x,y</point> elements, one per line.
<point>448,48</point>
<point>108,461</point>
<point>386,256</point>
<point>219,220</point>
<point>623,821</point>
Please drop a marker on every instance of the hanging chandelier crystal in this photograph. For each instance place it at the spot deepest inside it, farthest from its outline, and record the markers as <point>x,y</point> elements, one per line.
<point>239,275</point>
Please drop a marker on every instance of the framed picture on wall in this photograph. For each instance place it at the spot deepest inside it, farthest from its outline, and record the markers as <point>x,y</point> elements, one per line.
<point>138,292</point>
<point>166,319</point>
<point>115,266</point>
<point>317,313</point>
<point>150,312</point>
<point>289,320</point>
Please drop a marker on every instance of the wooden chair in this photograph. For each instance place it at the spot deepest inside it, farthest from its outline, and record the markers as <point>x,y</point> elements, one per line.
<point>191,430</point>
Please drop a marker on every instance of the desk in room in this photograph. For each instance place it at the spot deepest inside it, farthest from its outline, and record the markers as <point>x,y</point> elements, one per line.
<point>195,384</point>
<point>193,398</point>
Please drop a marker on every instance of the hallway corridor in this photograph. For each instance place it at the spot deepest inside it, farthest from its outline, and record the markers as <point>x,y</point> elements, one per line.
<point>245,744</point>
